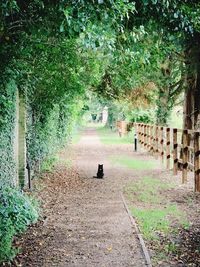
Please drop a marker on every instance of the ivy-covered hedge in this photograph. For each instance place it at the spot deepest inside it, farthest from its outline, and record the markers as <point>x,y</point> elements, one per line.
<point>7,130</point>
<point>45,138</point>
<point>50,75</point>
<point>17,211</point>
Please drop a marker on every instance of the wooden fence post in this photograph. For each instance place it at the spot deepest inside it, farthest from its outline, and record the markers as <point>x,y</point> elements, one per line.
<point>138,132</point>
<point>185,156</point>
<point>156,142</point>
<point>149,137</point>
<point>175,152</point>
<point>152,139</point>
<point>168,156</point>
<point>145,135</point>
<point>161,144</point>
<point>196,163</point>
<point>142,135</point>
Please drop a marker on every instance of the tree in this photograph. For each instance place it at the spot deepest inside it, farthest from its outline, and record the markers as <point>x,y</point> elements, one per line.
<point>177,17</point>
<point>181,17</point>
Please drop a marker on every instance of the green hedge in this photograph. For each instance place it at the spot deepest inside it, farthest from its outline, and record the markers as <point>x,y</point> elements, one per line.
<point>17,211</point>
<point>7,125</point>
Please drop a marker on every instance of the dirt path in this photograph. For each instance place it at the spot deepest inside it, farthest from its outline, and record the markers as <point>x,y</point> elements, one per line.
<point>86,223</point>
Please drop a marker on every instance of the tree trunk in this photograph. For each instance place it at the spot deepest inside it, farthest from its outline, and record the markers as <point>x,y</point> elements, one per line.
<point>188,109</point>
<point>192,93</point>
<point>163,107</point>
<point>164,102</point>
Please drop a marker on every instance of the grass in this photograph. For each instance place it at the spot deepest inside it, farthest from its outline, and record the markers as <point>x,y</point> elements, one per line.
<point>151,185</point>
<point>109,137</point>
<point>155,214</point>
<point>154,221</point>
<point>133,163</point>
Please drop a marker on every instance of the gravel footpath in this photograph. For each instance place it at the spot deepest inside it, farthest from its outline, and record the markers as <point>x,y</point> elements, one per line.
<point>84,223</point>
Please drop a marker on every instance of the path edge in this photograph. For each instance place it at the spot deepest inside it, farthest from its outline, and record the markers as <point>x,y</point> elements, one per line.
<point>139,235</point>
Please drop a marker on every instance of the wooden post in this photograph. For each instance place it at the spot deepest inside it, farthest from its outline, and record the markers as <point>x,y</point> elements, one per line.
<point>196,162</point>
<point>145,135</point>
<point>143,126</point>
<point>148,137</point>
<point>156,150</point>
<point>139,132</point>
<point>154,140</point>
<point>185,156</point>
<point>175,152</point>
<point>142,134</point>
<point>151,139</point>
<point>123,128</point>
<point>161,144</point>
<point>168,148</point>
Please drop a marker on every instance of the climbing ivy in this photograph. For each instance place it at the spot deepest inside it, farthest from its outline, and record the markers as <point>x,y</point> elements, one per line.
<point>7,133</point>
<point>17,211</point>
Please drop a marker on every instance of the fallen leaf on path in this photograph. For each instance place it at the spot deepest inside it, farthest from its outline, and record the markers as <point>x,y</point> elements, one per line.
<point>109,248</point>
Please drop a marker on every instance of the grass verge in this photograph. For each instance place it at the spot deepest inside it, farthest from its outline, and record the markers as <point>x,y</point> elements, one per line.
<point>133,163</point>
<point>157,217</point>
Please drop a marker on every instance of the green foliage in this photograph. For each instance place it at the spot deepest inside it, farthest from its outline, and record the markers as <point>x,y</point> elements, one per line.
<point>49,163</point>
<point>7,122</point>
<point>55,52</point>
<point>174,15</point>
<point>142,115</point>
<point>17,211</point>
<point>78,15</point>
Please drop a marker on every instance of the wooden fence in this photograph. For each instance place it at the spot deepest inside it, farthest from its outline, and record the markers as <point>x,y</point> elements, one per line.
<point>121,127</point>
<point>177,148</point>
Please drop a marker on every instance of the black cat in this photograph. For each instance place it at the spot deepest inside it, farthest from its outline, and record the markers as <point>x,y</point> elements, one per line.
<point>100,173</point>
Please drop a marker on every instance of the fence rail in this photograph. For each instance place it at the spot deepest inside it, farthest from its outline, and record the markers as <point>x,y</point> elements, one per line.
<point>178,149</point>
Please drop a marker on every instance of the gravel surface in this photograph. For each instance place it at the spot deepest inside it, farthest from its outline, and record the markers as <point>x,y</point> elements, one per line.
<point>84,221</point>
